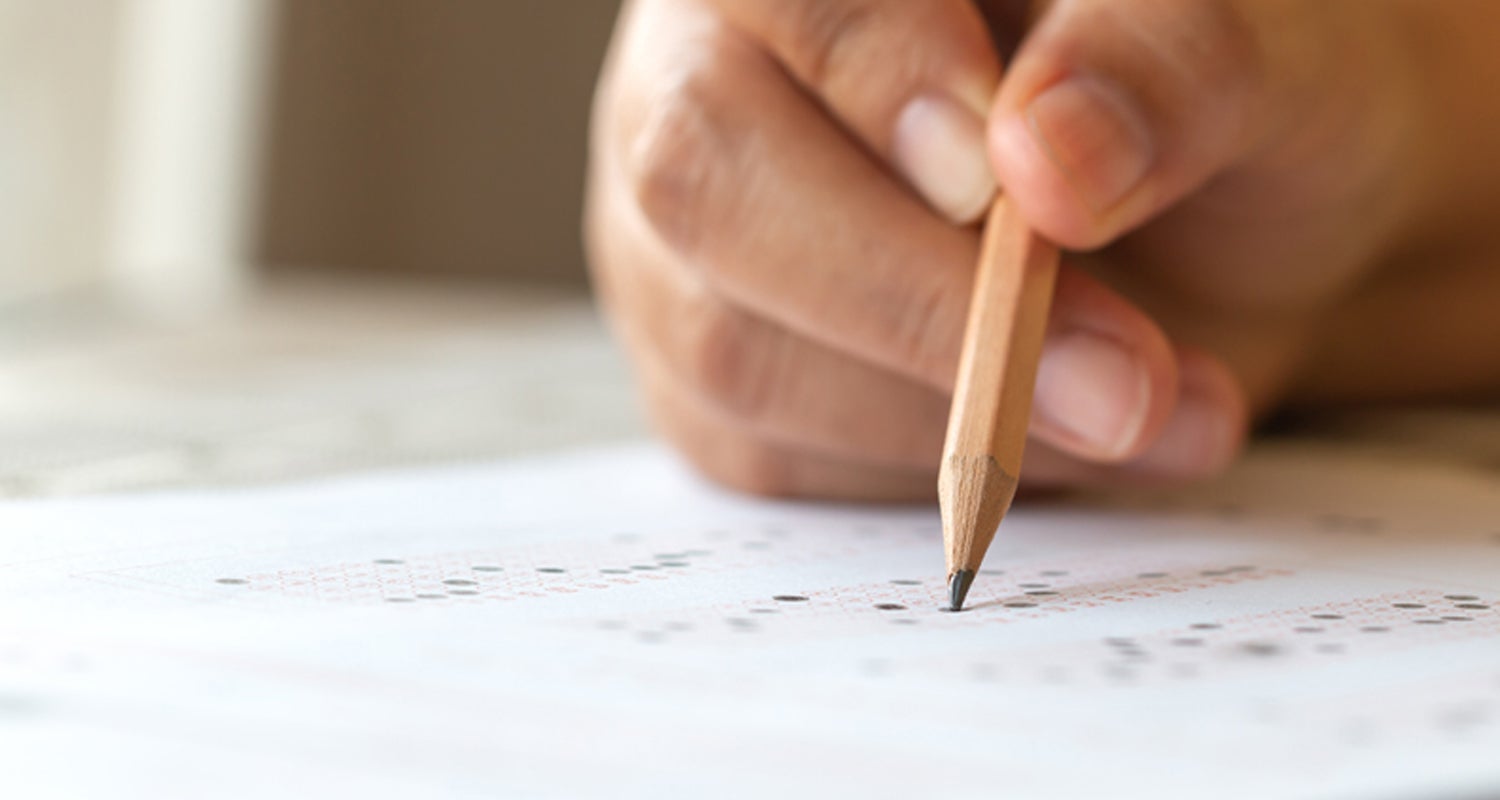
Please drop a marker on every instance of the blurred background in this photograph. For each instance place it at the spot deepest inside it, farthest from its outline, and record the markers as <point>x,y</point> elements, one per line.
<point>256,239</point>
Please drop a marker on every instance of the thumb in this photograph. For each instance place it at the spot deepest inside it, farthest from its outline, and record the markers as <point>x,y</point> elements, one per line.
<point>1114,110</point>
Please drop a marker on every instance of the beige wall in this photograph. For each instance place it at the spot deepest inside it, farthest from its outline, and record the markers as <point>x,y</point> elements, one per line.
<point>55,142</point>
<point>441,135</point>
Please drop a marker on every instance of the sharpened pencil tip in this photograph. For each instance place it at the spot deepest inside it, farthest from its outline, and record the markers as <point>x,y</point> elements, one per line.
<point>958,588</point>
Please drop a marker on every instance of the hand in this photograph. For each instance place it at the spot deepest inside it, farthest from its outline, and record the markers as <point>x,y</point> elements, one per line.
<point>782,192</point>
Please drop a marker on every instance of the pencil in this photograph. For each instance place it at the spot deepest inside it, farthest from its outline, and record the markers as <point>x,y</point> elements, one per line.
<point>992,397</point>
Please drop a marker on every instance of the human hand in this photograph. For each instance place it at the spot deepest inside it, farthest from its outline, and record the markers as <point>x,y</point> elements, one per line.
<point>782,193</point>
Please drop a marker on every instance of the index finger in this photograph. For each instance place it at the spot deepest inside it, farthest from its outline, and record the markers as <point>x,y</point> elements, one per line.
<point>913,81</point>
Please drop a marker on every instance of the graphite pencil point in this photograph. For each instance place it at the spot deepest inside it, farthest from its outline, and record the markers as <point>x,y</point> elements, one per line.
<point>958,588</point>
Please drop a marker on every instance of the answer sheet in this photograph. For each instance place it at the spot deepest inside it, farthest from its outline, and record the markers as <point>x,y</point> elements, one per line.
<point>1321,623</point>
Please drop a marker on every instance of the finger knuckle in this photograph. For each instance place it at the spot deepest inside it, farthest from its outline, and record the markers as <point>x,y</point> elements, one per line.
<point>679,157</point>
<point>736,364</point>
<point>924,325</point>
<point>1218,45</point>
<point>1195,49</point>
<point>830,33</point>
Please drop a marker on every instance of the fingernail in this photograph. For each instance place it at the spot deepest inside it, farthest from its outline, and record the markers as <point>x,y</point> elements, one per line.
<point>1094,390</point>
<point>1092,132</point>
<point>939,146</point>
<point>1198,440</point>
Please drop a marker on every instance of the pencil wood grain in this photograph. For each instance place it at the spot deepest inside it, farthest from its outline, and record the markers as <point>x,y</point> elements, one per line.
<point>992,396</point>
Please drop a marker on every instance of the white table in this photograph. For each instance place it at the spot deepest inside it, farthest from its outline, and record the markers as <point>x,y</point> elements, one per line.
<point>313,375</point>
<point>332,373</point>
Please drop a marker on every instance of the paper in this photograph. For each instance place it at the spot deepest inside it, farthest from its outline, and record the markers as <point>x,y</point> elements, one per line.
<point>1320,624</point>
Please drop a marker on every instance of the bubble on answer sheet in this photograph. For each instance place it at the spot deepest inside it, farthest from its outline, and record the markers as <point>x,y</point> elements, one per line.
<point>1260,649</point>
<point>1185,670</point>
<point>1155,656</point>
<point>1375,629</point>
<point>985,672</point>
<point>1473,606</point>
<point>1151,575</point>
<point>15,706</point>
<point>1121,672</point>
<point>1461,719</point>
<point>388,561</point>
<point>232,581</point>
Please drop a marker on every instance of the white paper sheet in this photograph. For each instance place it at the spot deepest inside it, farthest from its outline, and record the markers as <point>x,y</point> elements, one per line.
<point>1320,624</point>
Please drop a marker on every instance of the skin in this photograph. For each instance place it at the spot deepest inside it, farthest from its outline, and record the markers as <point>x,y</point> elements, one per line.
<point>1265,203</point>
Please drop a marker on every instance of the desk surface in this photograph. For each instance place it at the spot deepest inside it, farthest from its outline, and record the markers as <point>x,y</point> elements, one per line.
<point>337,373</point>
<point>311,376</point>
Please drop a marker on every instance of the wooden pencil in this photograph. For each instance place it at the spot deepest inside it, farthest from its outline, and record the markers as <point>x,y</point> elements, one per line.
<point>992,398</point>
